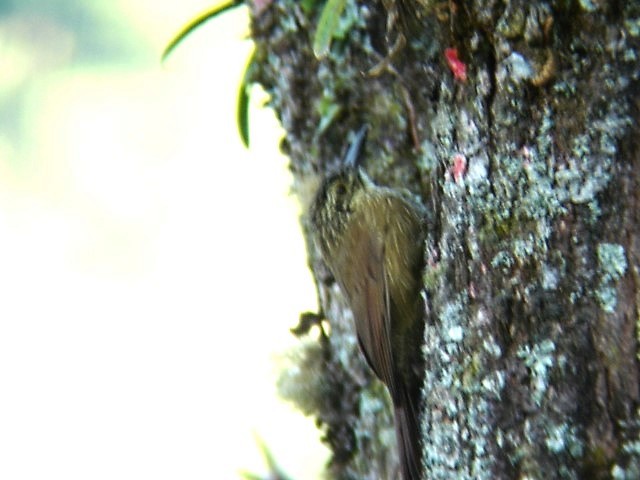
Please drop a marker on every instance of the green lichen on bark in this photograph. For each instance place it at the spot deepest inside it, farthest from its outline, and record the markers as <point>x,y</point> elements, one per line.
<point>529,170</point>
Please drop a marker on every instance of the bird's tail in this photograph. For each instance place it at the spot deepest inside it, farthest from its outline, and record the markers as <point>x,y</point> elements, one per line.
<point>408,435</point>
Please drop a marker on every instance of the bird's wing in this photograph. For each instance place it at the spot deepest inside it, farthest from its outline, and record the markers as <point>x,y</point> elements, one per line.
<point>370,301</point>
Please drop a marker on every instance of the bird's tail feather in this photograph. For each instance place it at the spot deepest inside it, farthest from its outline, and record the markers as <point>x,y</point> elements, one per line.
<point>408,435</point>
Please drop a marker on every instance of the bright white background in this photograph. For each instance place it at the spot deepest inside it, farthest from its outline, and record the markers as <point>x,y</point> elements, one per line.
<point>150,267</point>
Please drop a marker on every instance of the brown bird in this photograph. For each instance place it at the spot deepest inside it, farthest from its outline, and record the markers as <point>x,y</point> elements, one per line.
<point>371,238</point>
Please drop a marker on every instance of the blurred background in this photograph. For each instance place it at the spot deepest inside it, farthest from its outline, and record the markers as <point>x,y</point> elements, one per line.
<point>150,266</point>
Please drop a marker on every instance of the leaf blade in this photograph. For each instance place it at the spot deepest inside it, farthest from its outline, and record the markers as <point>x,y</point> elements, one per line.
<point>327,26</point>
<point>208,14</point>
<point>242,109</point>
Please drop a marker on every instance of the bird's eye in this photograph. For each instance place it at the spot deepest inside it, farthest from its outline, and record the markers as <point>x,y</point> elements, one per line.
<point>341,189</point>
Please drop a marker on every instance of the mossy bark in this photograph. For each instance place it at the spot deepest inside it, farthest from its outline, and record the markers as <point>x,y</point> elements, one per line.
<point>529,168</point>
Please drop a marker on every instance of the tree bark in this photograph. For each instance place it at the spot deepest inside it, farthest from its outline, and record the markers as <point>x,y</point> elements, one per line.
<point>529,168</point>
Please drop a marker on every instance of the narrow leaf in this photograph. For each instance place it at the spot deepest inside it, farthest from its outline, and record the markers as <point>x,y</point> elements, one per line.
<point>275,472</point>
<point>327,26</point>
<point>250,476</point>
<point>196,22</point>
<point>242,112</point>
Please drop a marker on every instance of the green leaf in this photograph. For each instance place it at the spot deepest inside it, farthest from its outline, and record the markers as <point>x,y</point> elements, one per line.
<point>307,5</point>
<point>196,22</point>
<point>250,476</point>
<point>328,116</point>
<point>327,26</point>
<point>242,111</point>
<point>275,472</point>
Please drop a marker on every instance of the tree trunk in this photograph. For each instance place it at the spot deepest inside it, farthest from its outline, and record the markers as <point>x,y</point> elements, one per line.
<point>528,165</point>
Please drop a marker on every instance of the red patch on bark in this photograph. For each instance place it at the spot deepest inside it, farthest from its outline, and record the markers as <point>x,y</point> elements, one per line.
<point>457,67</point>
<point>459,167</point>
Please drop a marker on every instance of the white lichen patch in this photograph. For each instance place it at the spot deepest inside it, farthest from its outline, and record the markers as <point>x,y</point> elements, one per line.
<point>539,359</point>
<point>612,265</point>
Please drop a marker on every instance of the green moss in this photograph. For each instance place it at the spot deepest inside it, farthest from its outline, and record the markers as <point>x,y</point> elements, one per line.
<point>512,21</point>
<point>432,276</point>
<point>328,110</point>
